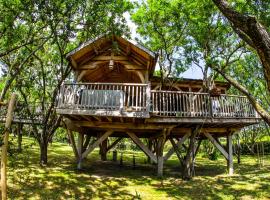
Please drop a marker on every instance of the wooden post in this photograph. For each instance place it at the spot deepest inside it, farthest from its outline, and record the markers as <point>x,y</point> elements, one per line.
<point>150,145</point>
<point>103,149</point>
<point>160,146</point>
<point>80,149</point>
<point>230,154</point>
<point>5,146</point>
<point>19,135</point>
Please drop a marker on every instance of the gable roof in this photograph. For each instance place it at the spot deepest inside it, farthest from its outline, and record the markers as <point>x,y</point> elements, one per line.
<point>98,46</point>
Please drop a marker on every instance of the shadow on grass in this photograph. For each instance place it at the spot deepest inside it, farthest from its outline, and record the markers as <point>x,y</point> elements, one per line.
<point>107,180</point>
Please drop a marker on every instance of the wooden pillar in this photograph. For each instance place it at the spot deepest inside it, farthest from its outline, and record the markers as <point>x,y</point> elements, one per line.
<point>19,135</point>
<point>103,149</point>
<point>150,146</point>
<point>80,149</point>
<point>159,151</point>
<point>5,146</point>
<point>230,154</point>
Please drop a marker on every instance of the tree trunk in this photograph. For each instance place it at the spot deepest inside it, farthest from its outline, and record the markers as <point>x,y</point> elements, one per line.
<point>9,118</point>
<point>187,170</point>
<point>43,145</point>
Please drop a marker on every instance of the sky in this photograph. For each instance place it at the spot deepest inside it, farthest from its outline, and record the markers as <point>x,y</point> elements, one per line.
<point>192,73</point>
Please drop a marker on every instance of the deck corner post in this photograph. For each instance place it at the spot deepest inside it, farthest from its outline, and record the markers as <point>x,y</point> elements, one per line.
<point>230,154</point>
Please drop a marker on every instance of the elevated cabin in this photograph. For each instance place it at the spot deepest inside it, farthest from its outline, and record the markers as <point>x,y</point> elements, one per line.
<point>117,95</point>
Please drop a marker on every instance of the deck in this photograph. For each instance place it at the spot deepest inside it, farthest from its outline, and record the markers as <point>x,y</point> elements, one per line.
<point>139,101</point>
<point>126,106</point>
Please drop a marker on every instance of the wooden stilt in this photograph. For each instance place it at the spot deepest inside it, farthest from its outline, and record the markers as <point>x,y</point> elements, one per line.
<point>150,146</point>
<point>230,154</point>
<point>80,149</point>
<point>103,149</point>
<point>160,146</point>
<point>19,135</point>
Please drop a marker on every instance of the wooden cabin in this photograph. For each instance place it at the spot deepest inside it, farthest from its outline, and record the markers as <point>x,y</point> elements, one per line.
<point>117,95</point>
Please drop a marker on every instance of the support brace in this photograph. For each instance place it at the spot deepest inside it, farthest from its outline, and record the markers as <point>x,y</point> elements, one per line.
<point>179,143</point>
<point>144,148</point>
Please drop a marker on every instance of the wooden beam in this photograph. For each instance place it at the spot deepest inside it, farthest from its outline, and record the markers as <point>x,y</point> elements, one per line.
<point>73,144</point>
<point>144,148</point>
<point>176,150</point>
<point>141,76</point>
<point>81,75</point>
<point>72,126</point>
<point>216,144</point>
<point>107,58</point>
<point>119,125</point>
<point>86,142</point>
<point>178,145</point>
<point>114,144</point>
<point>97,143</point>
<point>73,62</point>
<point>92,65</point>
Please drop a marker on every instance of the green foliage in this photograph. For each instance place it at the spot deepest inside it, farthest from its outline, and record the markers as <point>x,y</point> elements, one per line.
<point>162,25</point>
<point>214,155</point>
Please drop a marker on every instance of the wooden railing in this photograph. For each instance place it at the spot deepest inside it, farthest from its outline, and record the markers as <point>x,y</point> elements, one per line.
<point>189,104</point>
<point>136,100</point>
<point>108,99</point>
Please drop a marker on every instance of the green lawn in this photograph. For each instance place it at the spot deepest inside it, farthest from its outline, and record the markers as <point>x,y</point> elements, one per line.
<point>107,180</point>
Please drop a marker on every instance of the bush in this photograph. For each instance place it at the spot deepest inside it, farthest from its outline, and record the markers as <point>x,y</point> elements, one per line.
<point>213,155</point>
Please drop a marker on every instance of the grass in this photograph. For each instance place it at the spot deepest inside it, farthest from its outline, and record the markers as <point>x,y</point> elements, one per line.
<point>107,180</point>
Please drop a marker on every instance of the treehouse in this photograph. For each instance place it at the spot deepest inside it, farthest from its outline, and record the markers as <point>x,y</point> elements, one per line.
<point>117,95</point>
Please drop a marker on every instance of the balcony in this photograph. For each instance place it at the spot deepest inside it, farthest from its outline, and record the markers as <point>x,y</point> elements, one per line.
<point>139,101</point>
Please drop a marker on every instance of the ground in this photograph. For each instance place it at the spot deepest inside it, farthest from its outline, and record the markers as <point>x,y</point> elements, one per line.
<point>108,180</point>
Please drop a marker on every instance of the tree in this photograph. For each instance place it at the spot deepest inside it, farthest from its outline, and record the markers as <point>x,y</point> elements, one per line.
<point>39,76</point>
<point>250,30</point>
<point>162,25</point>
